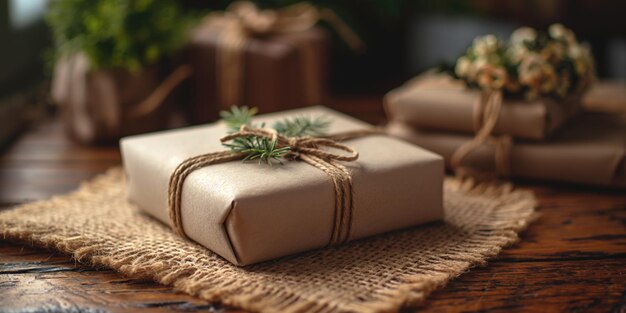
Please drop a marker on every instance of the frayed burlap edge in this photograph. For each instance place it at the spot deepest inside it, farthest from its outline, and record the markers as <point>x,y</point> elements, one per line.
<point>515,210</point>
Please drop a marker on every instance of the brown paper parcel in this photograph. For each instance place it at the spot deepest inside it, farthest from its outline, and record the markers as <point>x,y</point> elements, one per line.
<point>438,102</point>
<point>589,150</point>
<point>279,72</point>
<point>249,213</point>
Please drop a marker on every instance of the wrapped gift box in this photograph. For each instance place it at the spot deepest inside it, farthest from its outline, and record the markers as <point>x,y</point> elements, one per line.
<point>249,212</point>
<point>591,149</point>
<point>279,72</point>
<point>438,102</point>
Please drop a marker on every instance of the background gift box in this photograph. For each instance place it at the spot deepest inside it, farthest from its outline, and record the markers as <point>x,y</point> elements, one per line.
<point>437,102</point>
<point>275,72</point>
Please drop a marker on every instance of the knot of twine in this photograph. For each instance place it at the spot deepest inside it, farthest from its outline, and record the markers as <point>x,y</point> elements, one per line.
<point>300,147</point>
<point>243,19</point>
<point>307,149</point>
<point>486,115</point>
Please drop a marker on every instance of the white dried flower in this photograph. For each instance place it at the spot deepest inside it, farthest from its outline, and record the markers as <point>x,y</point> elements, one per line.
<point>528,63</point>
<point>462,67</point>
<point>517,53</point>
<point>486,45</point>
<point>523,34</point>
<point>560,32</point>
<point>475,67</point>
<point>581,57</point>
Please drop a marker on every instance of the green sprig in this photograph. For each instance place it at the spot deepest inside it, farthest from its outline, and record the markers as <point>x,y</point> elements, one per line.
<point>114,33</point>
<point>263,149</point>
<point>258,148</point>
<point>302,126</point>
<point>238,116</point>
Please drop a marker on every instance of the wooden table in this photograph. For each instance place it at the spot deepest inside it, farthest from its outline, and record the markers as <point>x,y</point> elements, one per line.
<point>573,258</point>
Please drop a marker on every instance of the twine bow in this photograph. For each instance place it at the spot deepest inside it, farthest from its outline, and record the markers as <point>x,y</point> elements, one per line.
<point>308,149</point>
<point>486,113</point>
<point>300,147</point>
<point>242,19</point>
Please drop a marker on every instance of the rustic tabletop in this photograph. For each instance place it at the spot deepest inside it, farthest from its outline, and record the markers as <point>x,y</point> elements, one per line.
<point>573,258</point>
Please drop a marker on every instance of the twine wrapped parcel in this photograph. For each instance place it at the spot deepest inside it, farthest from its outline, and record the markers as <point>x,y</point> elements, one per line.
<point>306,149</point>
<point>486,114</point>
<point>438,105</point>
<point>549,63</point>
<point>98,226</point>
<point>242,19</point>
<point>250,213</point>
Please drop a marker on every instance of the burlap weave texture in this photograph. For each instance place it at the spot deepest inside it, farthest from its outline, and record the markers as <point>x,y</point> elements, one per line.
<point>96,225</point>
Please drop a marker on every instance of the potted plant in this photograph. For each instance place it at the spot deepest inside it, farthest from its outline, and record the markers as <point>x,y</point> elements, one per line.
<point>110,75</point>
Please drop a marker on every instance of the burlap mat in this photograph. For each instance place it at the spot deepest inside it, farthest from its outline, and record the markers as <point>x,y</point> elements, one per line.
<point>96,225</point>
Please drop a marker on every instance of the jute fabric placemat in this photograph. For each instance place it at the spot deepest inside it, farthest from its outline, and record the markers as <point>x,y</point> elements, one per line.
<point>96,225</point>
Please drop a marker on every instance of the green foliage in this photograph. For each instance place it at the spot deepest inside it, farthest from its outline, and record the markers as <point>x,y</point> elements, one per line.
<point>118,33</point>
<point>261,148</point>
<point>295,127</point>
<point>238,116</point>
<point>258,148</point>
<point>302,126</point>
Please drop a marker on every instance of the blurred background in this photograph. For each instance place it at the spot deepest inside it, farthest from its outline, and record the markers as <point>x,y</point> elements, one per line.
<point>402,39</point>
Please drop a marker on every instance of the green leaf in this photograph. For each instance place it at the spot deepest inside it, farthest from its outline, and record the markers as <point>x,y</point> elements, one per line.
<point>302,126</point>
<point>238,116</point>
<point>258,148</point>
<point>118,33</point>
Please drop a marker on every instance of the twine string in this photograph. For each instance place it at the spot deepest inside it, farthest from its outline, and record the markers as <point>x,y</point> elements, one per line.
<point>311,150</point>
<point>489,108</point>
<point>243,19</point>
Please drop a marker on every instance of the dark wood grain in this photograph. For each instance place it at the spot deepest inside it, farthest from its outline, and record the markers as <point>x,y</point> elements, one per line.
<point>573,258</point>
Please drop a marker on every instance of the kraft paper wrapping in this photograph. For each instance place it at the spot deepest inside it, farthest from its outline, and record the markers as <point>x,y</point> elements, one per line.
<point>606,96</point>
<point>591,149</point>
<point>280,72</point>
<point>438,102</point>
<point>249,213</point>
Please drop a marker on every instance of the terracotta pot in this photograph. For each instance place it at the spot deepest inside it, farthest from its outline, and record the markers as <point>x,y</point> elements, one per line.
<point>107,104</point>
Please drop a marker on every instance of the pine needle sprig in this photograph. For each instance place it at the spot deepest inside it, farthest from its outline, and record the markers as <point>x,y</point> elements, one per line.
<point>258,148</point>
<point>263,149</point>
<point>238,116</point>
<point>302,126</point>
